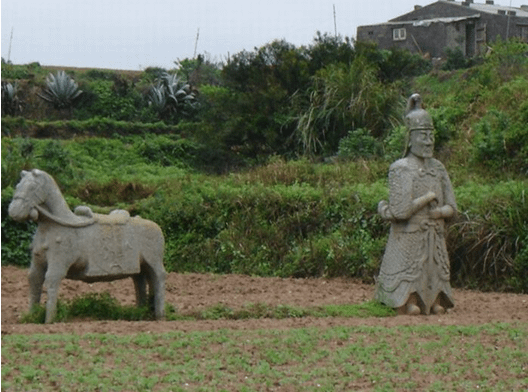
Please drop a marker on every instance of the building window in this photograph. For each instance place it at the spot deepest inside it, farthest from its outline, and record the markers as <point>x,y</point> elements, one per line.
<point>399,34</point>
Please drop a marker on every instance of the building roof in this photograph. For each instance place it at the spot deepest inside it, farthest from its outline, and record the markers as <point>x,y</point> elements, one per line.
<point>492,8</point>
<point>427,22</point>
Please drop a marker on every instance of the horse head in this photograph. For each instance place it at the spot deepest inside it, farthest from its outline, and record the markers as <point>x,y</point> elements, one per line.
<point>30,192</point>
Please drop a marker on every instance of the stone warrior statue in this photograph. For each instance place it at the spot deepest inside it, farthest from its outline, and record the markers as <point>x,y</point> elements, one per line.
<point>414,273</point>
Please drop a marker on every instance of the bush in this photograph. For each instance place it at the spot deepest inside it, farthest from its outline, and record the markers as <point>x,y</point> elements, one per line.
<point>345,97</point>
<point>456,59</point>
<point>501,142</point>
<point>16,72</point>
<point>295,230</point>
<point>104,100</point>
<point>68,129</point>
<point>17,154</point>
<point>487,243</point>
<point>16,237</point>
<point>394,143</point>
<point>359,143</point>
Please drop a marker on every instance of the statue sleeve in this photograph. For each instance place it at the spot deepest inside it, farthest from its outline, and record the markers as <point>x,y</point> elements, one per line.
<point>449,195</point>
<point>400,193</point>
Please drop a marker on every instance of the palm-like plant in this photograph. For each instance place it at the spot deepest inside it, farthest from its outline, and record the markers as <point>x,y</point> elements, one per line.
<point>61,90</point>
<point>157,98</point>
<point>171,95</point>
<point>10,102</point>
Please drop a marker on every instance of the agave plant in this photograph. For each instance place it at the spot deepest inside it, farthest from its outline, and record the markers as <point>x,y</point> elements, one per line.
<point>61,91</point>
<point>10,102</point>
<point>171,95</point>
<point>157,98</point>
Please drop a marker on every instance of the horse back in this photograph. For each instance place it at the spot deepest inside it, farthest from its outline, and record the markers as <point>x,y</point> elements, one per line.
<point>119,244</point>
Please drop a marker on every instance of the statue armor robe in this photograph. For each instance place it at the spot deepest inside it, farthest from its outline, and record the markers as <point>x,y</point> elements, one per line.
<point>414,273</point>
<point>416,259</point>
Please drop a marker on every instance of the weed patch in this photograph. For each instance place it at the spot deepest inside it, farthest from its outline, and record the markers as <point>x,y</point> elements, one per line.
<point>102,306</point>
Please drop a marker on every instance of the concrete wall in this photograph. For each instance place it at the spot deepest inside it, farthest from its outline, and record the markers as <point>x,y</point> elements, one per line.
<point>434,38</point>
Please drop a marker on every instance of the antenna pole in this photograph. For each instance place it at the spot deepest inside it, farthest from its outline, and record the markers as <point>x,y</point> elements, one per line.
<point>10,42</point>
<point>335,23</point>
<point>196,42</point>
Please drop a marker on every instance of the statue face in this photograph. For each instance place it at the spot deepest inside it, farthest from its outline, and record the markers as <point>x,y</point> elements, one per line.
<point>422,143</point>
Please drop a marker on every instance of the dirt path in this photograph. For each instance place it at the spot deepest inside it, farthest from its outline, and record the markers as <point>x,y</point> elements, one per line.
<point>195,291</point>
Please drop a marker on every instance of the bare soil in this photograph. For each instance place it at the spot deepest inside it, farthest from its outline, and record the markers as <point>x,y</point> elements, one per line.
<point>198,291</point>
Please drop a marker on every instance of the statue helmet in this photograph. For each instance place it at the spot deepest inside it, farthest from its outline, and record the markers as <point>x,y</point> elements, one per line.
<point>416,116</point>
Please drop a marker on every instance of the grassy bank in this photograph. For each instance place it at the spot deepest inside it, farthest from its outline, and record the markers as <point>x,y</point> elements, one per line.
<point>285,218</point>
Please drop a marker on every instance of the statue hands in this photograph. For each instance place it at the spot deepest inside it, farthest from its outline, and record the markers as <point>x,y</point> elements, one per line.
<point>424,200</point>
<point>384,210</point>
<point>436,212</point>
<point>442,212</point>
<point>430,197</point>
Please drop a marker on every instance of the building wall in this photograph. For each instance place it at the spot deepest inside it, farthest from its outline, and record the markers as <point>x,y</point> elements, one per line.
<point>470,35</point>
<point>430,40</point>
<point>455,36</point>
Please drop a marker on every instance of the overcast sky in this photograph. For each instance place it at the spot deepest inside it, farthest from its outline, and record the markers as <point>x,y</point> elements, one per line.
<point>135,34</point>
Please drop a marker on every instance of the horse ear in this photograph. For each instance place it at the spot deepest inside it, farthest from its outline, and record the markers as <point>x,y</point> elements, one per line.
<point>36,172</point>
<point>23,173</point>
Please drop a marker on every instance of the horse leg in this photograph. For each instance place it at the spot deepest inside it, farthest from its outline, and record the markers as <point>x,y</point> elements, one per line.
<point>158,285</point>
<point>140,284</point>
<point>54,276</point>
<point>156,280</point>
<point>36,275</point>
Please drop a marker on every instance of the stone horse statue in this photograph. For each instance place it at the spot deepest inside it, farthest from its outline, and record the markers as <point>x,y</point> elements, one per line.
<point>86,246</point>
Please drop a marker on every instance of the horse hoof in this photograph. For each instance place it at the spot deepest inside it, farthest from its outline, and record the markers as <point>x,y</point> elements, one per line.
<point>438,309</point>
<point>413,309</point>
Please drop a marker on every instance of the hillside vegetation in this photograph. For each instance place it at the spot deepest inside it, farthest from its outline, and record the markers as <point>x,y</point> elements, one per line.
<point>273,163</point>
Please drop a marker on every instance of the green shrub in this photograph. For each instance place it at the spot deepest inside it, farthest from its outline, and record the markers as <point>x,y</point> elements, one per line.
<point>397,64</point>
<point>106,101</point>
<point>295,230</point>
<point>446,119</point>
<point>344,97</point>
<point>15,72</point>
<point>359,143</point>
<point>17,153</point>
<point>16,237</point>
<point>501,142</point>
<point>68,129</point>
<point>488,240</point>
<point>394,143</point>
<point>455,59</point>
<point>168,150</point>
